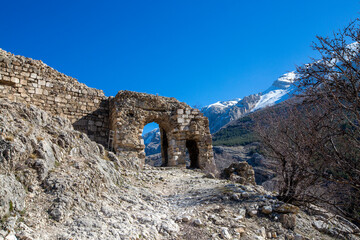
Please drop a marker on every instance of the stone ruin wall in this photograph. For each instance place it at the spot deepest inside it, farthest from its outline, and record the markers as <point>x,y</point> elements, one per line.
<point>181,128</point>
<point>33,82</point>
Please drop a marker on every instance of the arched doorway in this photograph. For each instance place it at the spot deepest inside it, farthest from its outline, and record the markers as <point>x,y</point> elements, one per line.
<point>156,145</point>
<point>181,128</point>
<point>193,150</point>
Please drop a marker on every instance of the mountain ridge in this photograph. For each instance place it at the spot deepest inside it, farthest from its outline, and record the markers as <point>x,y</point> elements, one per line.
<point>221,113</point>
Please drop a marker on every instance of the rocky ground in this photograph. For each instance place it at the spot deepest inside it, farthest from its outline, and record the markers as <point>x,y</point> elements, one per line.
<point>55,183</point>
<point>264,172</point>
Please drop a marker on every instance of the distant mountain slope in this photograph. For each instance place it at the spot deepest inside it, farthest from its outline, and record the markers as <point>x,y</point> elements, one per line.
<point>279,91</point>
<point>152,142</point>
<point>223,112</point>
<point>240,132</point>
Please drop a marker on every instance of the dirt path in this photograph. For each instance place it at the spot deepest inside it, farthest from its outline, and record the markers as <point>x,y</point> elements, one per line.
<point>207,208</point>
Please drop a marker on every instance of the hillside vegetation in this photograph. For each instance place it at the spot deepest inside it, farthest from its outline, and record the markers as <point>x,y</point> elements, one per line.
<point>314,138</point>
<point>237,134</point>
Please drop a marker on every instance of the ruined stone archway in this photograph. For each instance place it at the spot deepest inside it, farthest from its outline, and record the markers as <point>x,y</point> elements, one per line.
<point>181,128</point>
<point>164,144</point>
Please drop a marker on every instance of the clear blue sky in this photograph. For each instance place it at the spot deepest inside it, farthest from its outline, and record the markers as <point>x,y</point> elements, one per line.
<point>197,51</point>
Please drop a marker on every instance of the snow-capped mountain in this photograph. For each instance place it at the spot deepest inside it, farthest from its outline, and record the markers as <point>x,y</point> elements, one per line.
<point>152,142</point>
<point>279,91</point>
<point>221,113</point>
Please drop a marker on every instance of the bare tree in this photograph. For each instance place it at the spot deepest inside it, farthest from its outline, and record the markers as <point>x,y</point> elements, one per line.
<point>316,139</point>
<point>335,81</point>
<point>291,138</point>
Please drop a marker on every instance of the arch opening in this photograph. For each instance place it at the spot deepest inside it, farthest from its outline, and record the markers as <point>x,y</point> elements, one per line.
<point>193,151</point>
<point>156,145</point>
<point>164,148</point>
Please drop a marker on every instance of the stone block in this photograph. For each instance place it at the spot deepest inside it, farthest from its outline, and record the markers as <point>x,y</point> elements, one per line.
<point>14,80</point>
<point>180,111</point>
<point>195,111</point>
<point>38,91</point>
<point>25,74</point>
<point>41,82</point>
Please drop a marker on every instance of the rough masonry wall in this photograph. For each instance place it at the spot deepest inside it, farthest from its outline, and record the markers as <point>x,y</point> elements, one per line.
<point>181,128</point>
<point>31,81</point>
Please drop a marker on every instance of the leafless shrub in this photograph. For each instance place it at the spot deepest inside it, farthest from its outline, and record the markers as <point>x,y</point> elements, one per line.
<point>315,140</point>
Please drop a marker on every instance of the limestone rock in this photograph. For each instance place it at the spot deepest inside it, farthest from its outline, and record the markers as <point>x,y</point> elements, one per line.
<point>240,172</point>
<point>266,209</point>
<point>186,218</point>
<point>12,195</point>
<point>288,221</point>
<point>198,222</point>
<point>321,225</point>
<point>225,233</point>
<point>287,208</point>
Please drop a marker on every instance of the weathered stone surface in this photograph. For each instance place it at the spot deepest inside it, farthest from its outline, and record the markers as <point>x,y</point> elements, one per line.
<point>12,195</point>
<point>266,209</point>
<point>131,111</point>
<point>225,233</point>
<point>287,208</point>
<point>288,221</point>
<point>186,218</point>
<point>31,81</point>
<point>240,172</point>
<point>198,222</point>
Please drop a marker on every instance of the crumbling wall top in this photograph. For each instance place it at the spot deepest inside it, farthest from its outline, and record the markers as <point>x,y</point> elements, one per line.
<point>148,101</point>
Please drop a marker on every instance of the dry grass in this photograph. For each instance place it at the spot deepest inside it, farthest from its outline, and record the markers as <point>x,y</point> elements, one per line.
<point>9,138</point>
<point>39,138</point>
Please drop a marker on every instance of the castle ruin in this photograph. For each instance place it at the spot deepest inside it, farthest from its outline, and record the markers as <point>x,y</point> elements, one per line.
<point>90,111</point>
